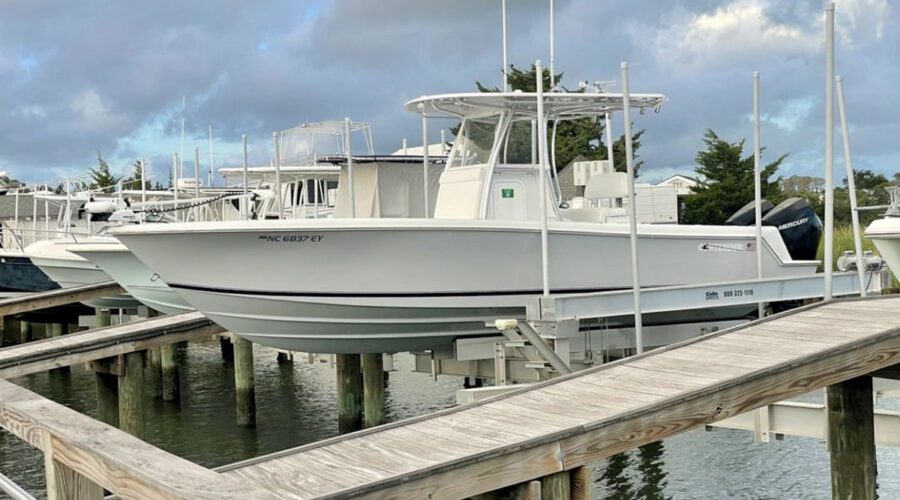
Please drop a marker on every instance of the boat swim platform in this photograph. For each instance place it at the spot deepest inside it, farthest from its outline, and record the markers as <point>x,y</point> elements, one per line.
<point>28,302</point>
<point>101,343</point>
<point>538,431</point>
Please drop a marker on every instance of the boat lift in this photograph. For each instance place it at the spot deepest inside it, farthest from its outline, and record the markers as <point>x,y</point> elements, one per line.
<point>563,333</point>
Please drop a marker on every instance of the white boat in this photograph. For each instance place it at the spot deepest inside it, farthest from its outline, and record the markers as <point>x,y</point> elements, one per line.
<point>69,270</point>
<point>885,232</point>
<point>145,286</point>
<point>384,285</point>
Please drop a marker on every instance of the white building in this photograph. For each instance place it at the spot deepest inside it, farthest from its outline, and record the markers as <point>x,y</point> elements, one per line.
<point>681,183</point>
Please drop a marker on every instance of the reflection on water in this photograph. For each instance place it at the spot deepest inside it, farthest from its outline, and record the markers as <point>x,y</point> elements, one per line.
<point>296,404</point>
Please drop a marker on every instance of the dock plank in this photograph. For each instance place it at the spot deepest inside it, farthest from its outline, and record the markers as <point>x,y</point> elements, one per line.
<point>113,459</point>
<point>89,345</point>
<point>589,415</point>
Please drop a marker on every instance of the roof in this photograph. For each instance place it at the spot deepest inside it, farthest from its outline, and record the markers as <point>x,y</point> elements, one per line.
<point>557,105</point>
<point>680,176</point>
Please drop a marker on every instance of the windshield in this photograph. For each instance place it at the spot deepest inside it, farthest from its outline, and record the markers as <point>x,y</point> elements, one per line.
<point>474,142</point>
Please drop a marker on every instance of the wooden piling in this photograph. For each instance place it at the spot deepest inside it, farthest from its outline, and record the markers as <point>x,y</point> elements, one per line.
<point>284,358</point>
<point>25,332</point>
<point>58,330</point>
<point>373,389</point>
<point>851,437</point>
<point>105,371</point>
<point>154,371</point>
<point>227,349</point>
<point>244,387</point>
<point>131,394</point>
<point>581,483</point>
<point>349,392</point>
<point>556,486</point>
<point>169,383</point>
<point>102,318</point>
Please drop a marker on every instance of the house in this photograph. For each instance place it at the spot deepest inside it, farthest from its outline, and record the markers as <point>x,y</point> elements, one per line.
<point>681,183</point>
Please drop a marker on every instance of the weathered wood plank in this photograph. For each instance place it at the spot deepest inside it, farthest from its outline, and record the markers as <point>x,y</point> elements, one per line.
<point>710,390</point>
<point>60,297</point>
<point>113,459</point>
<point>82,347</point>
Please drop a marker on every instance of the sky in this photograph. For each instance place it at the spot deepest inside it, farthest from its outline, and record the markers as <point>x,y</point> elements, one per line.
<point>78,78</point>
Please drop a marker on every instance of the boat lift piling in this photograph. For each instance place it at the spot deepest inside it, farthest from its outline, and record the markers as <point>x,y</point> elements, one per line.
<point>427,197</point>
<point>757,186</point>
<point>373,389</point>
<point>542,168</point>
<point>828,261</point>
<point>244,383</point>
<point>851,183</point>
<point>632,212</point>
<point>349,153</point>
<point>245,201</point>
<point>349,392</point>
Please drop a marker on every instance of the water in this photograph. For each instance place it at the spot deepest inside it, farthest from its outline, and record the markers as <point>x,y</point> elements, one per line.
<point>296,404</point>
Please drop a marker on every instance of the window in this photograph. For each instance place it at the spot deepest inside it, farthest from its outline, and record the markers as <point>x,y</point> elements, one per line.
<point>474,142</point>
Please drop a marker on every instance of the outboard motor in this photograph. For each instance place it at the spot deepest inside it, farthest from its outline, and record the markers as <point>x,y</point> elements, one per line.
<point>799,226</point>
<point>746,216</point>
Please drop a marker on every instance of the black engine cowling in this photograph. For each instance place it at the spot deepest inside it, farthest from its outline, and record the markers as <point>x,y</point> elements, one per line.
<point>799,226</point>
<point>746,216</point>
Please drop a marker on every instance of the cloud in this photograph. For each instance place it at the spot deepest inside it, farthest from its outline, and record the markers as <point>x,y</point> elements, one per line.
<point>110,76</point>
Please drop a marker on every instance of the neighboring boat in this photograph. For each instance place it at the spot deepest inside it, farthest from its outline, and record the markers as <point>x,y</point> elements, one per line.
<point>885,232</point>
<point>69,270</point>
<point>385,285</point>
<point>145,286</point>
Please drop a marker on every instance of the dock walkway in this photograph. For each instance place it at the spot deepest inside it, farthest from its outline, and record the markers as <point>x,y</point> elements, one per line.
<point>537,432</point>
<point>82,347</point>
<point>28,302</point>
<point>589,415</point>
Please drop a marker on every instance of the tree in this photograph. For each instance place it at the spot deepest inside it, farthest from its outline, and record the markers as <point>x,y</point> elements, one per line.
<point>729,183</point>
<point>134,182</point>
<point>102,176</point>
<point>582,137</point>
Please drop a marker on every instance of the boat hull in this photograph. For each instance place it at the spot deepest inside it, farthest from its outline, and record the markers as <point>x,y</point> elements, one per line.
<point>137,279</point>
<point>69,270</point>
<point>383,286</point>
<point>19,274</point>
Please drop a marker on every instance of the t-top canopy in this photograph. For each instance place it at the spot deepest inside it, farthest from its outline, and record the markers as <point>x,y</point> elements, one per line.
<point>557,105</point>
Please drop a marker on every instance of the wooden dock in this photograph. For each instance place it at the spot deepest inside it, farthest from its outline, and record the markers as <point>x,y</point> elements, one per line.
<point>544,431</point>
<point>574,420</point>
<point>90,345</point>
<point>63,296</point>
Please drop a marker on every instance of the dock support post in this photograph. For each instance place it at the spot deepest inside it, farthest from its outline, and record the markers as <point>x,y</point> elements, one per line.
<point>373,389</point>
<point>131,394</point>
<point>556,486</point>
<point>102,318</point>
<point>154,371</point>
<point>227,349</point>
<point>58,330</point>
<point>169,372</point>
<point>851,437</point>
<point>349,392</point>
<point>582,483</point>
<point>107,397</point>
<point>244,388</point>
<point>25,332</point>
<point>64,483</point>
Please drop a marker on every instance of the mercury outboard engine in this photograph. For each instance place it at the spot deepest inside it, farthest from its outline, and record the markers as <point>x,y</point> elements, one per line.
<point>746,216</point>
<point>799,226</point>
